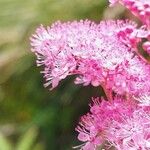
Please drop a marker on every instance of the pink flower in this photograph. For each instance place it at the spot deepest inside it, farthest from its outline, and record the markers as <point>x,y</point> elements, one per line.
<point>132,133</point>
<point>133,37</point>
<point>140,8</point>
<point>88,133</point>
<point>105,54</point>
<point>132,77</point>
<point>94,52</point>
<point>122,124</point>
<point>130,35</point>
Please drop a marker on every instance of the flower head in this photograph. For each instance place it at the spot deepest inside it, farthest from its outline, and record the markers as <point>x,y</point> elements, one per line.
<point>97,53</point>
<point>119,123</point>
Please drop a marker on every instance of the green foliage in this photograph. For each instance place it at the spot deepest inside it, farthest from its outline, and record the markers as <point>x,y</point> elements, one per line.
<point>4,143</point>
<point>25,142</point>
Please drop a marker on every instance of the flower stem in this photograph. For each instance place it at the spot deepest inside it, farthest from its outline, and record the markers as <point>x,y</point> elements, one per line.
<point>108,92</point>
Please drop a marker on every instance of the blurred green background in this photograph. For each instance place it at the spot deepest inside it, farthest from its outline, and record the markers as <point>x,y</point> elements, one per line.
<point>32,117</point>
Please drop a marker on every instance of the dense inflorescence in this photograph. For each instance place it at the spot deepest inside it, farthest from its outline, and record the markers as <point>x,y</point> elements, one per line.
<point>107,55</point>
<point>121,124</point>
<point>94,52</point>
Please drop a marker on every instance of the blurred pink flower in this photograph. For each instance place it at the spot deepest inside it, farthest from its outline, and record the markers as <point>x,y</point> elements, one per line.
<point>140,8</point>
<point>132,36</point>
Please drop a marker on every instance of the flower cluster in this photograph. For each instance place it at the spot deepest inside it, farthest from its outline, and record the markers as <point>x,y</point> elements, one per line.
<point>104,54</point>
<point>94,52</point>
<point>119,123</point>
